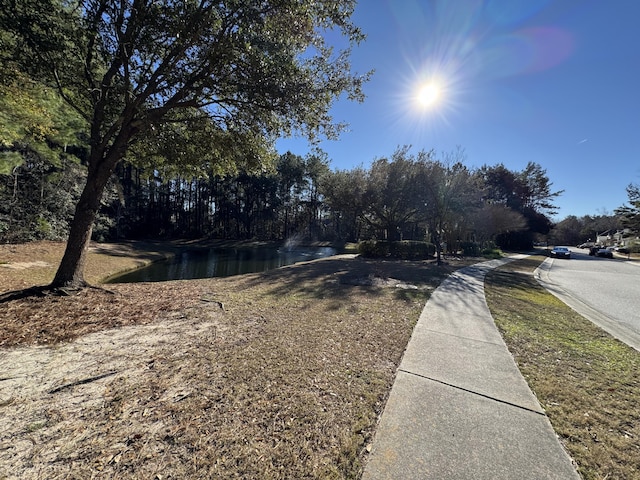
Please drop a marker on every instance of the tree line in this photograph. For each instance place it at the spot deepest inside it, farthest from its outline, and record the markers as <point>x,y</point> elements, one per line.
<point>201,86</point>
<point>123,118</point>
<point>406,196</point>
<point>574,230</point>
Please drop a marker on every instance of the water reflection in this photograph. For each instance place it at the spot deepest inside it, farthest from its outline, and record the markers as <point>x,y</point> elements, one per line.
<point>222,262</point>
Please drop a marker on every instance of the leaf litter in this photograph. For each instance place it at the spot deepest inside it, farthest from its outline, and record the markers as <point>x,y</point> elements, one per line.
<point>261,376</point>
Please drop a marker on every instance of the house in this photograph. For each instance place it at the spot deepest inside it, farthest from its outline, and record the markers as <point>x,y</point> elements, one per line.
<point>615,237</point>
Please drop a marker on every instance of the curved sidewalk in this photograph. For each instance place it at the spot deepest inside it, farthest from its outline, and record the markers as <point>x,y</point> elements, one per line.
<point>459,407</point>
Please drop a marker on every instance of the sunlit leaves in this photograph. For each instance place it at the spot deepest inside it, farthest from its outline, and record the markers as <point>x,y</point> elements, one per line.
<point>264,64</point>
<point>34,118</point>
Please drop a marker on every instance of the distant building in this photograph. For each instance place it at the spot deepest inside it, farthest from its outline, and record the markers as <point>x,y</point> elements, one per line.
<point>616,238</point>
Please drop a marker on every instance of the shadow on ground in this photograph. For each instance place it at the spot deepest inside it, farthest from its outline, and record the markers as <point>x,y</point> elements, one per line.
<point>337,276</point>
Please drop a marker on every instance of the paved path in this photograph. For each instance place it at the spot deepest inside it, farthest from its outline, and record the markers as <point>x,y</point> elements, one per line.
<point>459,407</point>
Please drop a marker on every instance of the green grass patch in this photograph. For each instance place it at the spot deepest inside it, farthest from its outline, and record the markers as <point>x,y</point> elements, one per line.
<point>492,253</point>
<point>586,380</point>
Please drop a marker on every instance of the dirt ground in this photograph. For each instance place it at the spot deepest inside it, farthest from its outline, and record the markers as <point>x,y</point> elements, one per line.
<point>275,375</point>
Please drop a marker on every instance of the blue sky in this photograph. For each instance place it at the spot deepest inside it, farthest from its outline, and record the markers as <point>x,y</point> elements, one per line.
<point>556,82</point>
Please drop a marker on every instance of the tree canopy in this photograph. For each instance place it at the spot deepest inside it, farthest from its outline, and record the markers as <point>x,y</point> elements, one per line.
<point>239,72</point>
<point>528,193</point>
<point>630,214</point>
<point>438,198</point>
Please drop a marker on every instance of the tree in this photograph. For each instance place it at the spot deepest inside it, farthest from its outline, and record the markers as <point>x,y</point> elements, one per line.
<point>630,214</point>
<point>37,199</point>
<point>406,196</point>
<point>248,70</point>
<point>566,231</point>
<point>493,219</point>
<point>536,191</point>
<point>291,170</point>
<point>527,192</point>
<point>41,143</point>
<point>390,199</point>
<point>449,194</point>
<point>344,197</point>
<point>574,230</point>
<point>317,169</point>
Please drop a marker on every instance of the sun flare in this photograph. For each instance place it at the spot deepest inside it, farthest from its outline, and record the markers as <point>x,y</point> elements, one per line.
<point>429,94</point>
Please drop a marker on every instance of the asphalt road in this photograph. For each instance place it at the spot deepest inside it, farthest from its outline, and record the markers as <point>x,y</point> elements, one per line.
<point>606,291</point>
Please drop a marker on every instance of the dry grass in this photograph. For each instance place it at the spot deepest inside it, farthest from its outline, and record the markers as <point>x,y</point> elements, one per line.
<point>586,380</point>
<point>263,376</point>
<point>29,264</point>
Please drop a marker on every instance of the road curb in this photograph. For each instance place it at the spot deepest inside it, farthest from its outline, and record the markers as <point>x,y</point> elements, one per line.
<point>610,326</point>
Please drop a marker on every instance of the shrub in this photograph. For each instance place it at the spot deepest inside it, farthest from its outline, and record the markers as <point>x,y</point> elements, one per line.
<point>42,229</point>
<point>103,228</point>
<point>492,253</point>
<point>405,250</point>
<point>470,249</point>
<point>373,249</point>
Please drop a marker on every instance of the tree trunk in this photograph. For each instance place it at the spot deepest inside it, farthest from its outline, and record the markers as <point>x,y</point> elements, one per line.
<point>71,269</point>
<point>437,241</point>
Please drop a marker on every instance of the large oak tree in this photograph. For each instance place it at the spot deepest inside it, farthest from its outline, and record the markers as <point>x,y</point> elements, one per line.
<point>241,72</point>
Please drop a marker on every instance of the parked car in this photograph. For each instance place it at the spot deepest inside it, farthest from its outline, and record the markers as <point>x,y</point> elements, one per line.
<point>560,252</point>
<point>605,252</point>
<point>594,250</point>
<point>586,245</point>
<point>624,250</point>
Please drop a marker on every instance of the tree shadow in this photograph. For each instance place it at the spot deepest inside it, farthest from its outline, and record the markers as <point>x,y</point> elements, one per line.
<point>42,291</point>
<point>337,277</point>
<point>510,279</point>
<point>38,291</point>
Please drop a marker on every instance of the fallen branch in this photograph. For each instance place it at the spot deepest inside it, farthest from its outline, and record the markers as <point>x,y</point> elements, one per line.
<point>82,382</point>
<point>220,304</point>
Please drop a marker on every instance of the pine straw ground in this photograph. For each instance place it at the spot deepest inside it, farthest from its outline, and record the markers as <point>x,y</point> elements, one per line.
<point>275,375</point>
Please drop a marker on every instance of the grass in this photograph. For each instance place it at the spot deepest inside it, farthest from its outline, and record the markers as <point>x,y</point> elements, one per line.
<point>586,380</point>
<point>29,264</point>
<point>286,380</point>
<point>274,375</point>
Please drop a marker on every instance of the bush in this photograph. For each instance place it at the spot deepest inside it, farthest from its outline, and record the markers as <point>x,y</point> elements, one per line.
<point>492,253</point>
<point>405,250</point>
<point>374,249</point>
<point>42,229</point>
<point>103,228</point>
<point>470,249</point>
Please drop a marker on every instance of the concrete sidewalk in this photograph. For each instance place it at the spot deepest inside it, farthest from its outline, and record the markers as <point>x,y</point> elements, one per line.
<point>459,407</point>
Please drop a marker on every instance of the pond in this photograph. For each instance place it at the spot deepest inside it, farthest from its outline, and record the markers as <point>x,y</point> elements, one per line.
<point>222,262</point>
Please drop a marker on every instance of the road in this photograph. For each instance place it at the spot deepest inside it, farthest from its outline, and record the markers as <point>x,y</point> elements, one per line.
<point>606,291</point>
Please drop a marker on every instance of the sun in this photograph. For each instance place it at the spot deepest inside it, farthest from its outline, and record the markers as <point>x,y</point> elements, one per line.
<point>429,94</point>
